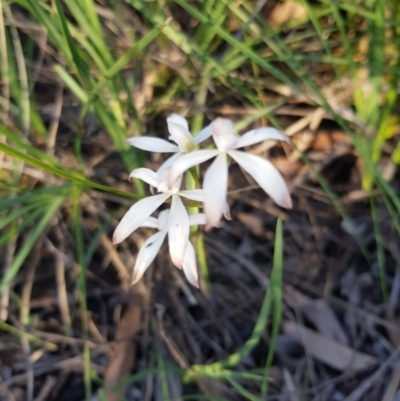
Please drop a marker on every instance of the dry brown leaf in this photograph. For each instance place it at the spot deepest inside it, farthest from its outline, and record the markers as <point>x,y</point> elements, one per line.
<point>333,354</point>
<point>293,391</point>
<point>322,141</point>
<point>286,11</point>
<point>376,378</point>
<point>339,136</point>
<point>286,168</point>
<point>393,386</point>
<point>319,313</point>
<point>122,353</point>
<point>252,222</point>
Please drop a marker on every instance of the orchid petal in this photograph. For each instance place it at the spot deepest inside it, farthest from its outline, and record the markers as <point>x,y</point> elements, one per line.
<point>163,218</point>
<point>259,135</point>
<point>266,175</point>
<point>150,222</point>
<point>146,175</point>
<point>177,119</point>
<point>178,231</point>
<point>147,254</point>
<point>181,136</point>
<point>215,188</point>
<point>136,215</point>
<point>224,135</point>
<point>204,134</point>
<point>152,144</point>
<point>189,265</point>
<point>197,219</point>
<point>163,182</point>
<point>170,161</point>
<point>193,194</point>
<point>227,211</point>
<point>189,160</point>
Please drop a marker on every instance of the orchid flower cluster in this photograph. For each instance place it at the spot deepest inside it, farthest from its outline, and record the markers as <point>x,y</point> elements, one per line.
<point>175,222</point>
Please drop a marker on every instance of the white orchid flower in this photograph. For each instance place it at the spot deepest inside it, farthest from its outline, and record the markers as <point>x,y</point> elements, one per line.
<point>216,177</point>
<point>153,244</point>
<point>179,133</point>
<point>178,219</point>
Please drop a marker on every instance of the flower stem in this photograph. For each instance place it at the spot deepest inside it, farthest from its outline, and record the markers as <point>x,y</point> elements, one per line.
<point>193,180</point>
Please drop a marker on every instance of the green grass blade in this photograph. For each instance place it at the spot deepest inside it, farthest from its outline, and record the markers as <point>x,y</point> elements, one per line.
<point>80,66</point>
<point>250,344</point>
<point>19,259</point>
<point>117,67</point>
<point>238,45</point>
<point>380,252</point>
<point>74,176</point>
<point>33,339</point>
<point>24,145</point>
<point>22,74</point>
<point>35,196</point>
<point>37,9</point>
<point>161,364</point>
<point>80,254</point>
<point>71,83</point>
<point>277,296</point>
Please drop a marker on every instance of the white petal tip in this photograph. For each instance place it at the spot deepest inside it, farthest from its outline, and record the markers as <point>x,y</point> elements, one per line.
<point>286,202</point>
<point>136,278</point>
<point>227,212</point>
<point>177,261</point>
<point>195,284</point>
<point>285,138</point>
<point>208,226</point>
<point>116,240</point>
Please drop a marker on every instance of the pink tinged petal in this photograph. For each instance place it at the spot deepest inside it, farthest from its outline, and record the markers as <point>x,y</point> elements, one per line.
<point>215,188</point>
<point>266,175</point>
<point>150,222</point>
<point>227,211</point>
<point>178,231</point>
<point>193,194</point>
<point>189,265</point>
<point>227,215</point>
<point>181,136</point>
<point>136,215</point>
<point>147,254</point>
<point>259,135</point>
<point>223,133</point>
<point>204,134</point>
<point>163,178</point>
<point>152,144</point>
<point>177,119</point>
<point>197,219</point>
<point>146,175</point>
<point>189,160</point>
